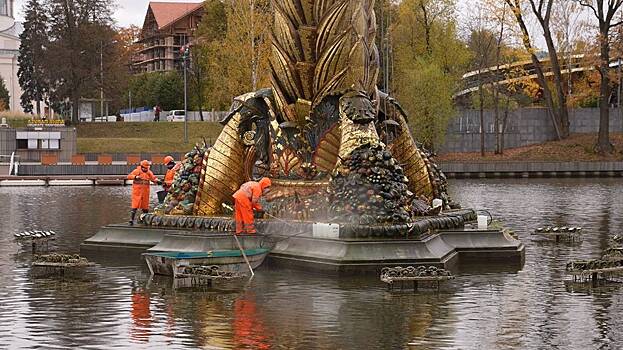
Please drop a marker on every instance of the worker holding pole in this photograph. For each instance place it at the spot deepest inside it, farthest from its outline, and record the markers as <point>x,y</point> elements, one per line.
<point>246,199</point>
<point>141,178</point>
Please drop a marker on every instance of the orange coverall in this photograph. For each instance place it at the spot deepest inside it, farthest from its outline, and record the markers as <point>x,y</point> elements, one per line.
<point>168,178</point>
<point>245,200</point>
<point>140,188</point>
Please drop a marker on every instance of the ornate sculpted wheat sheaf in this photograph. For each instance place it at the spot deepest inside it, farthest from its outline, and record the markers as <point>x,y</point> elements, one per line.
<point>322,106</point>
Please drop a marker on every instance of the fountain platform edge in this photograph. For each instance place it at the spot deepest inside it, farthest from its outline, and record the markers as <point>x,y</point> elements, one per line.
<point>446,248</point>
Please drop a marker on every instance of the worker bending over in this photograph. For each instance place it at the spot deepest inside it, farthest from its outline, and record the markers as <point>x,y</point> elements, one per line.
<point>246,199</point>
<point>173,168</point>
<point>141,177</point>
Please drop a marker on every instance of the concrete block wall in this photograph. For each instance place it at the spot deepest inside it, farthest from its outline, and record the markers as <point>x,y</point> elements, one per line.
<point>525,126</point>
<point>586,120</point>
<point>83,170</point>
<point>7,141</point>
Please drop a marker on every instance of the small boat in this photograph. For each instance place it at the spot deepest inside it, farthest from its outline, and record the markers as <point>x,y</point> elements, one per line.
<point>228,261</point>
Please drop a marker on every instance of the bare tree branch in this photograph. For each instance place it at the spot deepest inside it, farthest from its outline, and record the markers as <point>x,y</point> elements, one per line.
<point>589,5</point>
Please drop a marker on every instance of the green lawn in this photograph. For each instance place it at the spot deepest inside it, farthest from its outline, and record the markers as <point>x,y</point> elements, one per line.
<point>142,137</point>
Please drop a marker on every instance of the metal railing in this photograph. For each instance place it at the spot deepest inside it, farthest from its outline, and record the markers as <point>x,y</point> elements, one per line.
<point>13,161</point>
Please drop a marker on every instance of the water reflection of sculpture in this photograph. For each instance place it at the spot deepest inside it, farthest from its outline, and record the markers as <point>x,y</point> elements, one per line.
<point>323,105</point>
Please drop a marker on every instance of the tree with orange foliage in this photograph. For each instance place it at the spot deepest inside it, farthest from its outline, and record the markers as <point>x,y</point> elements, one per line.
<point>555,100</point>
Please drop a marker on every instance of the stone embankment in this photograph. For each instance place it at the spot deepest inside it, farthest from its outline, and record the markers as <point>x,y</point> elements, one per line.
<point>115,174</point>
<point>516,169</point>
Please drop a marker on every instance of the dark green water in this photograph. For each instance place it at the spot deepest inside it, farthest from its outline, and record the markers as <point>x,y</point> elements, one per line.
<point>116,304</point>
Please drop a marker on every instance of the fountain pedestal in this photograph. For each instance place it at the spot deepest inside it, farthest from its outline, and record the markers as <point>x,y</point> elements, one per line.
<point>355,248</point>
<point>444,249</point>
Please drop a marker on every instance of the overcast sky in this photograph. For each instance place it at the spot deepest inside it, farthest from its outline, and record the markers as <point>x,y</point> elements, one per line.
<point>127,11</point>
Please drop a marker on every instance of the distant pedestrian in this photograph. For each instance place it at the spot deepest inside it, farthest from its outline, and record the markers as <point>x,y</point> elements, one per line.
<point>157,111</point>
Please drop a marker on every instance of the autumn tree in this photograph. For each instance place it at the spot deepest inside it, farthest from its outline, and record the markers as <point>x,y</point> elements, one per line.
<point>498,18</point>
<point>237,60</point>
<point>205,54</point>
<point>81,38</point>
<point>567,28</point>
<point>429,102</point>
<point>604,12</point>
<point>481,43</point>
<point>555,101</point>
<point>385,14</point>
<point>32,55</point>
<point>429,62</point>
<point>119,70</point>
<point>158,88</point>
<point>197,78</point>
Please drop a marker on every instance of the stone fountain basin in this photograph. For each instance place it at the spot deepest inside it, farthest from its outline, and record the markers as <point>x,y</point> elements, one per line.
<point>440,241</point>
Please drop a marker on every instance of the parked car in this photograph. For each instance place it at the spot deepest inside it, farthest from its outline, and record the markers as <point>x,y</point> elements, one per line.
<point>176,116</point>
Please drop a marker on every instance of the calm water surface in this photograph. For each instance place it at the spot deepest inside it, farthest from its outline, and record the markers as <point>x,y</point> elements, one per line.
<point>116,304</point>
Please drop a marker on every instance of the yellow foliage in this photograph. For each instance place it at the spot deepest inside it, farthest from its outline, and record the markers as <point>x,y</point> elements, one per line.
<point>237,63</point>
<point>427,72</point>
<point>585,90</point>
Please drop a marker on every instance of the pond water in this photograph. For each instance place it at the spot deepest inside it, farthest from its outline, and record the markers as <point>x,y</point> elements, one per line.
<point>117,304</point>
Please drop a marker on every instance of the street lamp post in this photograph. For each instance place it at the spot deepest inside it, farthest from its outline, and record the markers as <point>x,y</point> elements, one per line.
<point>101,78</point>
<point>185,52</point>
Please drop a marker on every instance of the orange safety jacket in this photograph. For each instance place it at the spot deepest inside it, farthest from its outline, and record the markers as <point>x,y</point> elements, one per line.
<point>140,187</point>
<point>170,175</point>
<point>251,191</point>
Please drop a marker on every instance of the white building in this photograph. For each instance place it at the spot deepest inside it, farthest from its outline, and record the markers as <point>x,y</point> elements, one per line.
<point>9,50</point>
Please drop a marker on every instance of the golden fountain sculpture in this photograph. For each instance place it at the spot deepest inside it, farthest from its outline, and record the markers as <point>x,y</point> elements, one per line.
<point>323,105</point>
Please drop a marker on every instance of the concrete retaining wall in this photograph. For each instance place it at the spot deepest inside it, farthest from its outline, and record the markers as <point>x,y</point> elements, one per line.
<point>122,157</point>
<point>451,169</point>
<point>531,169</point>
<point>525,126</point>
<point>51,170</point>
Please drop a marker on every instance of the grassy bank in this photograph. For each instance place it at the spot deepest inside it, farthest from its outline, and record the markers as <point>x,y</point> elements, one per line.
<point>578,147</point>
<point>142,137</point>
<point>16,121</point>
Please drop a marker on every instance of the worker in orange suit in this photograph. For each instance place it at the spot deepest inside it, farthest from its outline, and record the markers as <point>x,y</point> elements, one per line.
<point>246,199</point>
<point>141,177</point>
<point>172,169</point>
